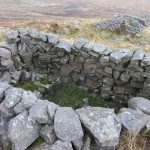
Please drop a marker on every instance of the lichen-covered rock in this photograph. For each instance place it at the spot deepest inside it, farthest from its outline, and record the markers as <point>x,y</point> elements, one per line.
<point>63,46</point>
<point>102,123</point>
<point>52,39</point>
<point>47,133</point>
<point>125,77</point>
<point>4,139</point>
<point>39,111</point>
<point>146,60</point>
<point>65,70</point>
<point>78,144</point>
<point>5,53</point>
<point>138,55</point>
<point>61,145</point>
<point>79,43</point>
<point>140,104</point>
<point>22,131</point>
<point>28,99</point>
<point>12,97</point>
<point>7,64</point>
<point>3,87</point>
<point>121,56</point>
<point>133,120</point>
<point>52,107</point>
<point>100,49</point>
<point>67,125</point>
<point>12,35</point>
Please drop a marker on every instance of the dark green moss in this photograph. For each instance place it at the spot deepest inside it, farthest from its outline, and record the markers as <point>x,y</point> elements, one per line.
<point>28,85</point>
<point>72,96</point>
<point>148,133</point>
<point>38,142</point>
<point>44,80</point>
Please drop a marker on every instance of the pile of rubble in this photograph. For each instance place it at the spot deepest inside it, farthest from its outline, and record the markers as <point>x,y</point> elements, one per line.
<point>122,24</point>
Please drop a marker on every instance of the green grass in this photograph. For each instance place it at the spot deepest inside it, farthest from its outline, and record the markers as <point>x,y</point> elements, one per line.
<point>28,85</point>
<point>148,133</point>
<point>44,80</point>
<point>72,96</point>
<point>38,142</point>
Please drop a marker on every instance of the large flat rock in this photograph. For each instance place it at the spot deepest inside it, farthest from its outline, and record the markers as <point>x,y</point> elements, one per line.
<point>67,125</point>
<point>102,123</point>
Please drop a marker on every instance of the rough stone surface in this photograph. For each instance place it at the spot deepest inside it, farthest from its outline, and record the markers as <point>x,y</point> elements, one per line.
<point>62,145</point>
<point>43,146</point>
<point>122,24</point>
<point>39,111</point>
<point>132,120</point>
<point>52,38</point>
<point>99,48</point>
<point>26,129</point>
<point>28,99</point>
<point>65,70</point>
<point>138,55</point>
<point>12,97</point>
<point>101,122</point>
<point>67,125</point>
<point>87,143</point>
<point>4,139</point>
<point>79,43</point>
<point>78,144</point>
<point>63,46</point>
<point>3,87</point>
<point>47,133</point>
<point>121,56</point>
<point>5,53</point>
<point>140,103</point>
<point>52,107</point>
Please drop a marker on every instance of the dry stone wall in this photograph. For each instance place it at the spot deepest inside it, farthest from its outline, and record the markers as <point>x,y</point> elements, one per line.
<point>118,74</point>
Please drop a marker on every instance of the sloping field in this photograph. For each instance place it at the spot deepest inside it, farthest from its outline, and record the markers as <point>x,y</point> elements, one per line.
<point>46,9</point>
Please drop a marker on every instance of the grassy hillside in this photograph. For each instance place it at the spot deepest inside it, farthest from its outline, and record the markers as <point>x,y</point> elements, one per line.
<point>84,28</point>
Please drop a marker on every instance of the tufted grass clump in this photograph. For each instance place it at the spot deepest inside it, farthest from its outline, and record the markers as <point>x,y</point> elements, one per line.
<point>38,142</point>
<point>28,85</point>
<point>44,80</point>
<point>130,142</point>
<point>72,96</point>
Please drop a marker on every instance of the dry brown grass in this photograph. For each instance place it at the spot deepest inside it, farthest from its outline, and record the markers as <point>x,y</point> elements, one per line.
<point>2,35</point>
<point>87,31</point>
<point>129,142</point>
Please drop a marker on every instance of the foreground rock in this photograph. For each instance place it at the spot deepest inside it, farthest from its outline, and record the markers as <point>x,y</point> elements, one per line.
<point>4,139</point>
<point>140,103</point>
<point>67,125</point>
<point>39,111</point>
<point>47,133</point>
<point>22,131</point>
<point>102,123</point>
<point>3,87</point>
<point>28,99</point>
<point>12,97</point>
<point>132,120</point>
<point>61,145</point>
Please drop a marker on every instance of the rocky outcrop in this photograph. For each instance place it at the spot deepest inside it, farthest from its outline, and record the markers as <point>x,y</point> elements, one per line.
<point>117,75</point>
<point>60,127</point>
<point>123,24</point>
